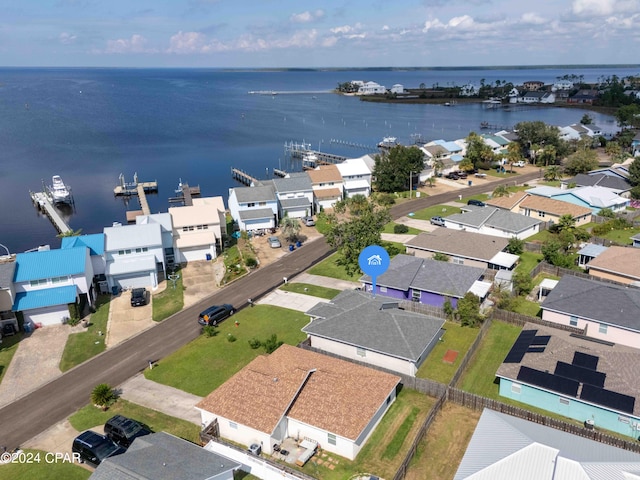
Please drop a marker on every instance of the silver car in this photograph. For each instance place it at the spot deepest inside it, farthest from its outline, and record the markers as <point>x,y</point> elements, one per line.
<point>308,221</point>
<point>274,242</point>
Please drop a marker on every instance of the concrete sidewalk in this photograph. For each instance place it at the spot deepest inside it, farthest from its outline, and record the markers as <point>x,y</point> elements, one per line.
<point>292,300</point>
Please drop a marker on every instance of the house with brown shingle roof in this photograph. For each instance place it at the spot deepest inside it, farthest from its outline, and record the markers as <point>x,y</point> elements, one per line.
<point>620,264</point>
<point>327,185</point>
<point>550,209</point>
<point>509,202</point>
<point>296,393</point>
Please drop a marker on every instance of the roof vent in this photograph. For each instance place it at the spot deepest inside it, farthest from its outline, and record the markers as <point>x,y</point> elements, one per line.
<point>389,305</point>
<point>275,379</point>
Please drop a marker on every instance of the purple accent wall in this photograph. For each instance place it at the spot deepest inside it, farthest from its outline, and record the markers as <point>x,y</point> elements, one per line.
<point>390,292</point>
<point>435,299</point>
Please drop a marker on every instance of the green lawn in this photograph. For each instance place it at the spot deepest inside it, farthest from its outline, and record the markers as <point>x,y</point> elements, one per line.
<point>90,416</point>
<point>526,307</point>
<point>541,237</point>
<point>170,301</point>
<point>40,466</point>
<point>493,173</point>
<point>313,290</point>
<point>456,338</point>
<point>206,363</point>
<point>388,228</point>
<point>528,261</point>
<point>386,448</point>
<point>623,237</point>
<point>480,196</point>
<point>435,211</point>
<point>8,348</point>
<point>480,375</point>
<point>329,268</point>
<point>85,345</point>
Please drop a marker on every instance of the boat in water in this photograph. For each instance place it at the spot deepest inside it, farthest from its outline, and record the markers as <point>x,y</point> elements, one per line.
<point>60,193</point>
<point>388,142</point>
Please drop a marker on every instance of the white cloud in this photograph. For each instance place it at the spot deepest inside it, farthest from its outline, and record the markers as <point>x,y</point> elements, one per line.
<point>341,30</point>
<point>307,17</point>
<point>533,19</point>
<point>135,44</point>
<point>67,38</point>
<point>594,8</point>
<point>194,42</point>
<point>385,28</point>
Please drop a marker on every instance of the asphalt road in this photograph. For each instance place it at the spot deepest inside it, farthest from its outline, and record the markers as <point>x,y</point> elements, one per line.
<point>55,401</point>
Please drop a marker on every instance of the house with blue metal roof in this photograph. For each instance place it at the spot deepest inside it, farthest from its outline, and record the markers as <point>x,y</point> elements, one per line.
<point>95,244</point>
<point>47,281</point>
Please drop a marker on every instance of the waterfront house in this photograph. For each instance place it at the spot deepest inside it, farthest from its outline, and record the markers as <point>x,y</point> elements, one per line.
<point>356,175</point>
<point>327,185</point>
<point>427,281</point>
<point>95,244</point>
<point>619,264</point>
<point>463,248</point>
<point>198,229</point>
<point>595,198</point>
<point>371,88</point>
<point>397,88</point>
<point>606,311</point>
<point>46,281</point>
<point>254,207</point>
<point>134,255</point>
<point>585,96</point>
<point>166,233</point>
<point>349,326</point>
<point>163,456</point>
<point>297,393</point>
<point>575,377</point>
<point>7,294</point>
<point>504,447</point>
<point>533,85</point>
<point>295,195</point>
<point>537,97</point>
<point>494,221</point>
<point>562,85</point>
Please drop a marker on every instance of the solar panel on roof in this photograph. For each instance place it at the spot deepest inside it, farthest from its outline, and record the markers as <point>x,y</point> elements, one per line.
<point>585,360</point>
<point>536,349</point>
<point>548,381</point>
<point>581,374</point>
<point>540,340</point>
<point>520,346</point>
<point>608,398</point>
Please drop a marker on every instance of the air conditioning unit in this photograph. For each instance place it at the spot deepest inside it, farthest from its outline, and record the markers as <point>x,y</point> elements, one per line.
<point>589,424</point>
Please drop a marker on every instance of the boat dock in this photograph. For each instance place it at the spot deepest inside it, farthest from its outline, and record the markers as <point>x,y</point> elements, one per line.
<point>43,202</point>
<point>302,150</point>
<point>279,173</point>
<point>243,177</point>
<point>133,188</point>
<point>185,194</point>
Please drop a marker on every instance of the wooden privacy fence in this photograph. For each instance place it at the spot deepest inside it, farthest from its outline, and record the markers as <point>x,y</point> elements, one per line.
<point>520,319</point>
<point>544,267</point>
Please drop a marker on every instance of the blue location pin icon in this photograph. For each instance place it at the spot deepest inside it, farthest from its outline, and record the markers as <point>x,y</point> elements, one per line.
<point>374,260</point>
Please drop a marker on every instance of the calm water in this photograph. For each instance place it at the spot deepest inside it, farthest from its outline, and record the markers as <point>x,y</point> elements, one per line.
<point>90,125</point>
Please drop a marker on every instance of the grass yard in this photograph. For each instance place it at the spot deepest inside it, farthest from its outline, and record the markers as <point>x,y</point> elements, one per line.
<point>386,448</point>
<point>480,375</point>
<point>526,307</point>
<point>41,469</point>
<point>623,237</point>
<point>493,173</point>
<point>483,197</point>
<point>313,290</point>
<point>388,228</point>
<point>90,416</point>
<point>329,268</point>
<point>441,449</point>
<point>541,237</point>
<point>435,211</point>
<point>8,348</point>
<point>85,345</point>
<point>206,363</point>
<point>170,301</point>
<point>528,261</point>
<point>456,338</point>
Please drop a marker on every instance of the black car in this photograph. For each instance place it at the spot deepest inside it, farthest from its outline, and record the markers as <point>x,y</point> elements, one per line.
<point>138,297</point>
<point>452,176</point>
<point>215,314</point>
<point>475,202</point>
<point>462,174</point>
<point>93,448</point>
<point>124,431</point>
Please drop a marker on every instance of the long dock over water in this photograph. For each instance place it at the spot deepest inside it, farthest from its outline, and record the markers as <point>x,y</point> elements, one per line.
<point>43,202</point>
<point>133,188</point>
<point>243,177</point>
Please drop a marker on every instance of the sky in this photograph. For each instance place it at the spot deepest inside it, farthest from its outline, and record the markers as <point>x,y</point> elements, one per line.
<point>315,34</point>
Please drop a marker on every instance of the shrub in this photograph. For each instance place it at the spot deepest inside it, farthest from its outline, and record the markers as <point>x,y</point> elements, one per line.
<point>606,212</point>
<point>272,343</point>
<point>400,228</point>
<point>254,343</point>
<point>103,395</point>
<point>385,199</point>
<point>251,262</point>
<point>392,249</point>
<point>601,228</point>
<point>231,338</point>
<point>441,257</point>
<point>209,331</point>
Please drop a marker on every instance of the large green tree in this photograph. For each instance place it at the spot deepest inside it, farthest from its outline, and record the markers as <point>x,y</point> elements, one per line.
<point>537,133</point>
<point>582,161</point>
<point>634,172</point>
<point>478,152</point>
<point>349,237</point>
<point>468,310</point>
<point>628,115</point>
<point>392,169</point>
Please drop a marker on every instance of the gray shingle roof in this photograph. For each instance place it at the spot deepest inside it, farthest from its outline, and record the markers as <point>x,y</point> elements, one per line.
<point>161,456</point>
<point>496,218</point>
<point>427,275</point>
<point>356,319</point>
<point>6,274</point>
<point>599,301</point>
<point>255,213</point>
<point>601,180</point>
<point>498,436</point>
<point>459,243</point>
<point>295,183</point>
<point>295,202</point>
<point>260,193</point>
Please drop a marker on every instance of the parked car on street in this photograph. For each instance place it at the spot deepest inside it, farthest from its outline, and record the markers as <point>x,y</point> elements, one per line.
<point>477,203</point>
<point>274,242</point>
<point>124,431</point>
<point>437,221</point>
<point>138,297</point>
<point>452,176</point>
<point>519,164</point>
<point>462,174</point>
<point>93,448</point>
<point>215,314</point>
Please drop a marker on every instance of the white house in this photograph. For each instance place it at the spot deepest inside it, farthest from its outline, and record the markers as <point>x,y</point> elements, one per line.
<point>327,185</point>
<point>562,85</point>
<point>397,88</point>
<point>296,393</point>
<point>198,229</point>
<point>494,222</point>
<point>134,255</point>
<point>254,207</point>
<point>45,282</point>
<point>356,175</point>
<point>295,195</point>
<point>166,232</point>
<point>372,88</point>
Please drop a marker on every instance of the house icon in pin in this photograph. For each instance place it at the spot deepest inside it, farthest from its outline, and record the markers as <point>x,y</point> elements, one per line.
<point>374,260</point>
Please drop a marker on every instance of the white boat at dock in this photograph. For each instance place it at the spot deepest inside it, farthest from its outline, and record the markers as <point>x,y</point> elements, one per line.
<point>388,142</point>
<point>60,193</point>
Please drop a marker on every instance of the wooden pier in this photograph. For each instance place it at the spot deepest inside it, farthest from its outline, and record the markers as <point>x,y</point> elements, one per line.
<point>43,202</point>
<point>132,188</point>
<point>243,177</point>
<point>185,194</point>
<point>302,150</point>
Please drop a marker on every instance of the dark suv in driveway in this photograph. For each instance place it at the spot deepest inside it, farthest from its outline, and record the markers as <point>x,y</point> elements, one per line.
<point>93,448</point>
<point>124,431</point>
<point>215,314</point>
<point>138,297</point>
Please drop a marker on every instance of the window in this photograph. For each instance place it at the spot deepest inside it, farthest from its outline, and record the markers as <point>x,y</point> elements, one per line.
<point>262,204</point>
<point>383,289</point>
<point>624,420</point>
<point>233,425</point>
<point>35,283</point>
<point>185,229</point>
<point>415,295</point>
<point>120,252</point>
<point>541,214</point>
<point>564,401</point>
<point>602,329</point>
<point>516,388</point>
<point>250,205</point>
<point>331,439</point>
<point>59,279</point>
<point>573,321</point>
<point>138,250</point>
<point>458,260</point>
<point>361,352</point>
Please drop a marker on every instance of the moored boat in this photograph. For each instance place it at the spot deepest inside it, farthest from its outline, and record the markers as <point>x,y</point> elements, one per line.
<point>60,193</point>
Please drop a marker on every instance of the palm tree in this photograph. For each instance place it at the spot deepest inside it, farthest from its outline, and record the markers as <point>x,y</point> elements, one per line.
<point>102,396</point>
<point>501,191</point>
<point>552,173</point>
<point>438,165</point>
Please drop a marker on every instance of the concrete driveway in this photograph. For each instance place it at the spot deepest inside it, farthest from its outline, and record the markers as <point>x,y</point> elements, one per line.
<point>200,279</point>
<point>126,321</point>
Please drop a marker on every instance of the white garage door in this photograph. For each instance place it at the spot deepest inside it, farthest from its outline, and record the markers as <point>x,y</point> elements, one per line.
<point>298,212</point>
<point>195,254</point>
<point>47,316</point>
<point>138,280</point>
